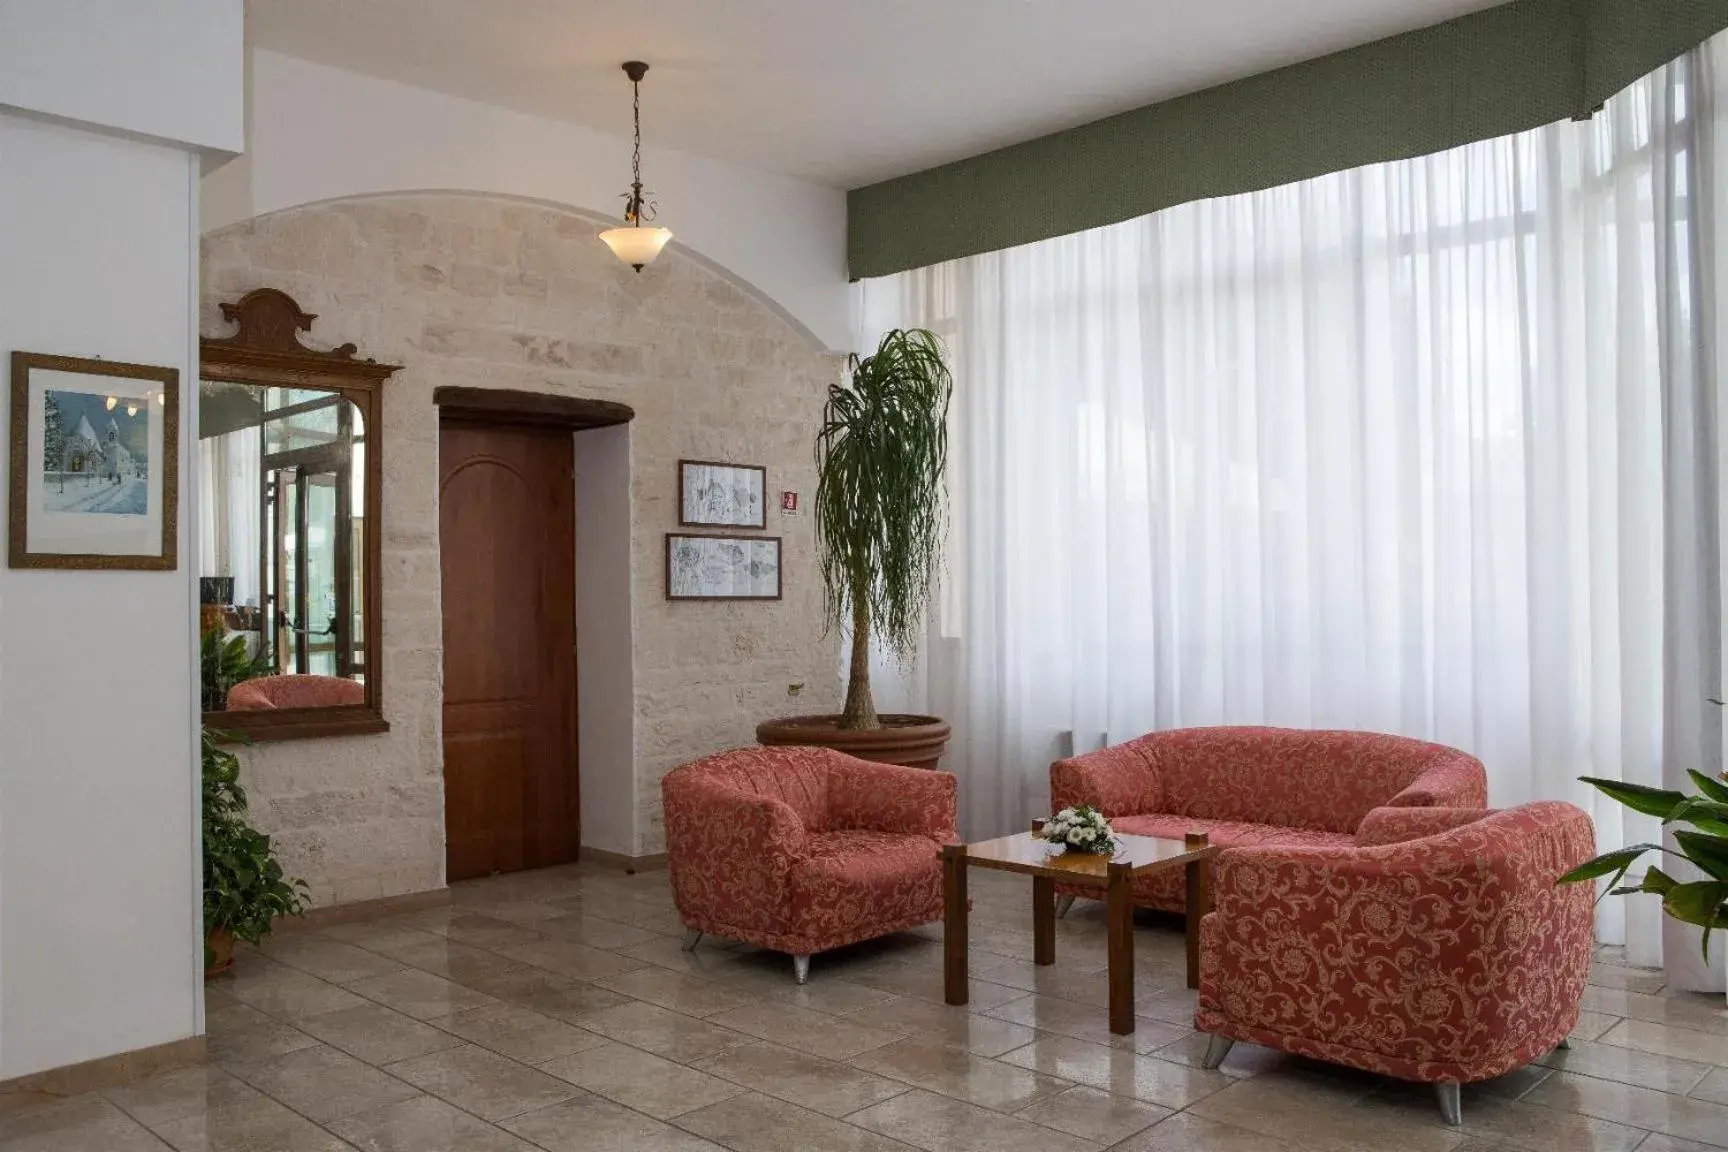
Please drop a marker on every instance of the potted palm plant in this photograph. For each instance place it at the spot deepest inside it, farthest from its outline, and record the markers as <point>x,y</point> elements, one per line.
<point>880,457</point>
<point>244,886</point>
<point>1704,844</point>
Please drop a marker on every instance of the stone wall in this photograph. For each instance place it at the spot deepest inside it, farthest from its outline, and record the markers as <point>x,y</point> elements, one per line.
<point>490,292</point>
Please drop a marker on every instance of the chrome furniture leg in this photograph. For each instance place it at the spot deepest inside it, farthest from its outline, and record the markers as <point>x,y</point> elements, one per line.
<point>801,968</point>
<point>690,938</point>
<point>1217,1048</point>
<point>1451,1109</point>
<point>1063,903</point>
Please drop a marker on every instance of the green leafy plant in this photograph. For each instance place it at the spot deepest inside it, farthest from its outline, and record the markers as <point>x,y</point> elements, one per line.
<point>225,663</point>
<point>880,457</point>
<point>244,887</point>
<point>1704,844</point>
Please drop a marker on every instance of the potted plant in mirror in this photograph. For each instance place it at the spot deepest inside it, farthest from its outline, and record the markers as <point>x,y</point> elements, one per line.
<point>1704,844</point>
<point>224,663</point>
<point>244,888</point>
<point>880,457</point>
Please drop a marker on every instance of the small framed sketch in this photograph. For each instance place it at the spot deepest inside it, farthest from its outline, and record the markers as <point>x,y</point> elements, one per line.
<point>95,447</point>
<point>715,495</point>
<point>722,567</point>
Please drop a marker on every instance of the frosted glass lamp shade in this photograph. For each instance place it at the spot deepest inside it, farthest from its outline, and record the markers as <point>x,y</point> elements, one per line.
<point>636,246</point>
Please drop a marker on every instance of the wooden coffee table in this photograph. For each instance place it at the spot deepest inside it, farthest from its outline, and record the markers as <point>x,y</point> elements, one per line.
<point>1112,876</point>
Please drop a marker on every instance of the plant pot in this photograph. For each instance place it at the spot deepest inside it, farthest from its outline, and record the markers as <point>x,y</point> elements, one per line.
<point>912,741</point>
<point>218,952</point>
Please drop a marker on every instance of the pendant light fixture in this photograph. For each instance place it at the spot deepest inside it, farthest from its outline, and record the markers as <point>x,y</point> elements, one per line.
<point>635,245</point>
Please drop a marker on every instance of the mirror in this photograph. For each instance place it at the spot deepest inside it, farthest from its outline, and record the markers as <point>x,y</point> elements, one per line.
<point>287,530</point>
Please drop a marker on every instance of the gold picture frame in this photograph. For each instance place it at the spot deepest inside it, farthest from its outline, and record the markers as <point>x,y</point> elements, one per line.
<point>110,497</point>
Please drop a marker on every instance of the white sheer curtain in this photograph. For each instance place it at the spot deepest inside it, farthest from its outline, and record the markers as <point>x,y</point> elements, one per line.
<point>228,527</point>
<point>1380,450</point>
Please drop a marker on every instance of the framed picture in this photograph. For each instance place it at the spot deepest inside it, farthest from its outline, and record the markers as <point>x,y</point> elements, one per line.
<point>711,494</point>
<point>95,452</point>
<point>722,567</point>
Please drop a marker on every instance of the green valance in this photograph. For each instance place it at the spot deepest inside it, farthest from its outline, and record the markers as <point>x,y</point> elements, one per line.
<point>1502,70</point>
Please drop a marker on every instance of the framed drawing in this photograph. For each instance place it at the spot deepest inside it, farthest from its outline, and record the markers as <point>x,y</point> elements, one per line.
<point>722,567</point>
<point>95,454</point>
<point>715,495</point>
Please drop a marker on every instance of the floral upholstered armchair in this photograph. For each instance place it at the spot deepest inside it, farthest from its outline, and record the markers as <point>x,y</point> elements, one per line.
<point>805,849</point>
<point>1438,949</point>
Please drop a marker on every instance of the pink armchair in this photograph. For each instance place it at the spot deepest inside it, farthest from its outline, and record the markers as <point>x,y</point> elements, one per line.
<point>1241,785</point>
<point>805,849</point>
<point>294,691</point>
<point>1445,958</point>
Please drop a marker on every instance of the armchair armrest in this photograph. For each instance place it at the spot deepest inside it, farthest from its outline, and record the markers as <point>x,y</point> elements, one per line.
<point>1396,825</point>
<point>1118,781</point>
<point>1455,781</point>
<point>863,794</point>
<point>730,855</point>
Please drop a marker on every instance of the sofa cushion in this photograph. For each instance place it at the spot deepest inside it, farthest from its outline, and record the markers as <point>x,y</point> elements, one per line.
<point>850,881</point>
<point>1167,889</point>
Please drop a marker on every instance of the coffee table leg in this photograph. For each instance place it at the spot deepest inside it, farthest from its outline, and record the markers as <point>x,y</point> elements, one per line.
<point>1043,920</point>
<point>954,923</point>
<point>1119,909</point>
<point>1199,903</point>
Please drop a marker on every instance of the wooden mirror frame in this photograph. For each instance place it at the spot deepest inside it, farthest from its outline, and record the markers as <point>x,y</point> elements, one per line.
<point>266,352</point>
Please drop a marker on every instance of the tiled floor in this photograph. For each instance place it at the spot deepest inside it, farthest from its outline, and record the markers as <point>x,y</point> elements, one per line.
<point>556,1011</point>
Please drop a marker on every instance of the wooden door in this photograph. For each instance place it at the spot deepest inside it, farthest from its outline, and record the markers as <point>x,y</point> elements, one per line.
<point>507,537</point>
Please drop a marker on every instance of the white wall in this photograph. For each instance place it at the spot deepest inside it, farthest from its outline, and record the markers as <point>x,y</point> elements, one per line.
<point>98,895</point>
<point>166,68</point>
<point>318,133</point>
<point>605,669</point>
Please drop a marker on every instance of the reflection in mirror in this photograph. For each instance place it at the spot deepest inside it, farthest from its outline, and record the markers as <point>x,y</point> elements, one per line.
<point>281,541</point>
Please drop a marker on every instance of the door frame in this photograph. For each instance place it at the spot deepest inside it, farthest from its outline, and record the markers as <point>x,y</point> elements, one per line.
<point>507,408</point>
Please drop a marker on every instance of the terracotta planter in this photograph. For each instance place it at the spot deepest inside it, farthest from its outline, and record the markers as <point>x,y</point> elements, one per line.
<point>914,741</point>
<point>218,952</point>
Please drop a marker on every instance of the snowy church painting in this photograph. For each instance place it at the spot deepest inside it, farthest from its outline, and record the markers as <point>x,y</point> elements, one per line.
<point>95,454</point>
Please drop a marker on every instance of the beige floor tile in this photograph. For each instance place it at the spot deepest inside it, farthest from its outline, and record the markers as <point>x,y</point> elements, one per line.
<point>484,1083</point>
<point>422,995</point>
<point>930,1064</point>
<point>1647,980</point>
<point>943,1124</point>
<point>425,1124</point>
<point>380,936</point>
<point>819,1085</point>
<point>1660,1143</point>
<point>752,1123</point>
<point>1186,1132</point>
<point>1118,1070</point>
<point>1628,1066</point>
<point>1667,1040</point>
<point>1171,1003</point>
<point>1245,1059</point>
<point>592,1123</point>
<point>826,993</point>
<point>240,1033</point>
<point>1636,1107</point>
<point>324,1084</point>
<point>332,960</point>
<point>485,932</point>
<point>1306,1106</point>
<point>662,1032</point>
<point>257,1124</point>
<point>981,1035</point>
<point>284,992</point>
<point>1086,1022</point>
<point>1685,1009</point>
<point>559,997</point>
<point>689,995</point>
<point>456,961</point>
<point>814,1032</point>
<point>1094,1115</point>
<point>1530,1127</point>
<point>519,1033</point>
<point>523,913</point>
<point>177,1095</point>
<point>709,959</point>
<point>594,931</point>
<point>926,984</point>
<point>1714,1087</point>
<point>1591,1025</point>
<point>376,1034</point>
<point>641,1080</point>
<point>80,1124</point>
<point>568,958</point>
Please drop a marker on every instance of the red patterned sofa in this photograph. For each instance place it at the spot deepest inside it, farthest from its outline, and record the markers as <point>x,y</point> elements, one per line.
<point>1438,950</point>
<point>1285,786</point>
<point>805,849</point>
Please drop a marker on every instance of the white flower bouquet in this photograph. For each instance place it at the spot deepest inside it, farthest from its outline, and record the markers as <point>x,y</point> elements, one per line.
<point>1081,829</point>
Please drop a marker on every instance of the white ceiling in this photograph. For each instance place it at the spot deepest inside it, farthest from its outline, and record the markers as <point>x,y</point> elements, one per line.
<point>845,92</point>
